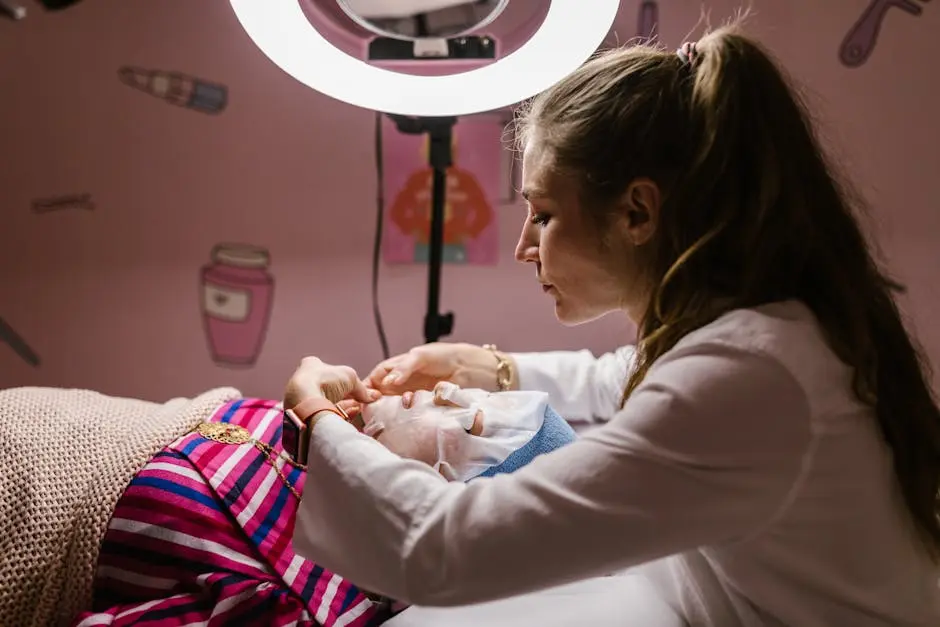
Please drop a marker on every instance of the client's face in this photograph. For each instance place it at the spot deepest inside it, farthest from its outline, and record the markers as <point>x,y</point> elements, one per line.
<point>425,427</point>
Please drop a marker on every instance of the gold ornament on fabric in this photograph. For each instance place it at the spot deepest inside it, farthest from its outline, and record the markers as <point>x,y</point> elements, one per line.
<point>234,434</point>
<point>224,433</point>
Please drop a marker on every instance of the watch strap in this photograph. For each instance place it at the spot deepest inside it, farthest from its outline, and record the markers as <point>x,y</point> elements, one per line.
<point>305,409</point>
<point>295,437</point>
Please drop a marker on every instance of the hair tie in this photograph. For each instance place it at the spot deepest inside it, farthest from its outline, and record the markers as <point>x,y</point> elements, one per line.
<point>687,53</point>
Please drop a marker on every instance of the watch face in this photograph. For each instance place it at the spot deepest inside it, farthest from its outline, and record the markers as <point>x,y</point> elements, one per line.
<point>291,434</point>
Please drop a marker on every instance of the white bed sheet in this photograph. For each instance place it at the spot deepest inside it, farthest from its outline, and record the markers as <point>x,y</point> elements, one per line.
<point>626,600</point>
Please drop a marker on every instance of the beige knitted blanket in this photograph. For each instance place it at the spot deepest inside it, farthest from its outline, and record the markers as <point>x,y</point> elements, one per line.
<point>66,457</point>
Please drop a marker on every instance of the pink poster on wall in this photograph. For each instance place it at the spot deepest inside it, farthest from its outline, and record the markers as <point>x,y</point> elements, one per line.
<point>473,190</point>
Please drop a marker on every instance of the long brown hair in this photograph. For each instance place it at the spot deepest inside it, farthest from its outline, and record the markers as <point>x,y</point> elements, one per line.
<point>752,213</point>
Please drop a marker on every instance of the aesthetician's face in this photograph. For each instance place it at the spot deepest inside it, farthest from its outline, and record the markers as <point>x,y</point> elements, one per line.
<point>583,277</point>
<point>586,270</point>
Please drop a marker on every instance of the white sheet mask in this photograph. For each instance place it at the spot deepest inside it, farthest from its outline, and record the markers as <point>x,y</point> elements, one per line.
<point>439,435</point>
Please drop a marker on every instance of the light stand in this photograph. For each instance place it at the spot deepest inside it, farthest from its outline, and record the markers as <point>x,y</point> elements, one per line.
<point>298,44</point>
<point>440,131</point>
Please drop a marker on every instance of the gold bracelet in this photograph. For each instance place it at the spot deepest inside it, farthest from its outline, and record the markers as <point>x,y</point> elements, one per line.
<point>503,368</point>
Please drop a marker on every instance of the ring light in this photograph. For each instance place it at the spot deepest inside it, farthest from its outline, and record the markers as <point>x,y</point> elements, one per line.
<point>569,35</point>
<point>366,24</point>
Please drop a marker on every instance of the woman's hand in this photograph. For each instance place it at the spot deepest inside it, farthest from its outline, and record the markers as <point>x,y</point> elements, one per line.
<point>423,367</point>
<point>335,383</point>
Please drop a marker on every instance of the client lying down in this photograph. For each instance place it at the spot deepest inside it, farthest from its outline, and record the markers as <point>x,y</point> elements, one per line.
<point>118,511</point>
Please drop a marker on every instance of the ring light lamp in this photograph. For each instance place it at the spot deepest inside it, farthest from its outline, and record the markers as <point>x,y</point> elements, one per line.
<point>404,11</point>
<point>570,33</point>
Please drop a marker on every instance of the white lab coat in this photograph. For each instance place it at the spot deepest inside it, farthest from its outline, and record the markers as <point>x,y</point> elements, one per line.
<point>743,479</point>
<point>580,386</point>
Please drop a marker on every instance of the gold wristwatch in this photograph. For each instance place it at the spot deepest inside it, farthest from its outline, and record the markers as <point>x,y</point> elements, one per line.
<point>503,368</point>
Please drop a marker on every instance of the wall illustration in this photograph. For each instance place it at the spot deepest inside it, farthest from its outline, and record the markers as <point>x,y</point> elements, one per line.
<point>14,340</point>
<point>861,39</point>
<point>473,185</point>
<point>12,9</point>
<point>648,20</point>
<point>178,89</point>
<point>80,202</point>
<point>114,190</point>
<point>236,293</point>
<point>57,5</point>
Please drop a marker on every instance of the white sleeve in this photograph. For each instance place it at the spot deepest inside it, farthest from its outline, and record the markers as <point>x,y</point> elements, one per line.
<point>580,386</point>
<point>705,452</point>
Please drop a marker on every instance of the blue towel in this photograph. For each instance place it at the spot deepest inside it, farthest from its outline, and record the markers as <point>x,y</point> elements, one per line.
<point>554,434</point>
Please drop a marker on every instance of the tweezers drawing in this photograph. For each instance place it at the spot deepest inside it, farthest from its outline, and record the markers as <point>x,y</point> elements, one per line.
<point>18,344</point>
<point>859,42</point>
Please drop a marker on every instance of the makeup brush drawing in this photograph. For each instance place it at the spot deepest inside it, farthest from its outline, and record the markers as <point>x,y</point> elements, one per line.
<point>648,20</point>
<point>81,202</point>
<point>13,339</point>
<point>860,41</point>
<point>236,293</point>
<point>179,89</point>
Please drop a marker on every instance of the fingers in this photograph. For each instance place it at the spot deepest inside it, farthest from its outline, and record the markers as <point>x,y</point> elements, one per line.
<point>374,378</point>
<point>382,372</point>
<point>336,383</point>
<point>445,394</point>
<point>392,375</point>
<point>356,390</point>
<point>351,406</point>
<point>362,393</point>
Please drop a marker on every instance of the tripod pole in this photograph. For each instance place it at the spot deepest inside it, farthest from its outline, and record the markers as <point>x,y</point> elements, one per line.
<point>440,134</point>
<point>440,157</point>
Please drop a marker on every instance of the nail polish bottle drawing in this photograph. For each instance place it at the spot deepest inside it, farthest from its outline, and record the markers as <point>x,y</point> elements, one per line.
<point>236,297</point>
<point>648,20</point>
<point>179,89</point>
<point>860,41</point>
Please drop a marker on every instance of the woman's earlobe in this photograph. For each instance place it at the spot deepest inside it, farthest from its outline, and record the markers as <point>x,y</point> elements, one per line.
<point>642,200</point>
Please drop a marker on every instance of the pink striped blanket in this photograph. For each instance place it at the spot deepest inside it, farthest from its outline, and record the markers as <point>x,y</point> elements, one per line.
<point>202,536</point>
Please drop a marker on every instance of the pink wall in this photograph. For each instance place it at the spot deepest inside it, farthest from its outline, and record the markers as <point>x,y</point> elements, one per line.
<point>109,297</point>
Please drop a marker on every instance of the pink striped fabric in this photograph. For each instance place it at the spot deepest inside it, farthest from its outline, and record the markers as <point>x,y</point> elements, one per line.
<point>202,537</point>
